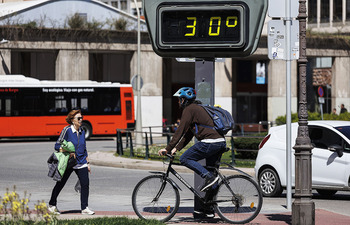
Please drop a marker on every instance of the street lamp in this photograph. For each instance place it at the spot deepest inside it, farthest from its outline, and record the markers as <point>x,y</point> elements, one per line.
<point>303,208</point>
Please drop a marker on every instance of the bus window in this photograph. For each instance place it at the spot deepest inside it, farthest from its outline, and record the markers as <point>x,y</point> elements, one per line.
<point>128,110</point>
<point>2,108</point>
<point>61,104</point>
<point>84,104</point>
<point>74,103</point>
<point>31,106</point>
<point>7,107</point>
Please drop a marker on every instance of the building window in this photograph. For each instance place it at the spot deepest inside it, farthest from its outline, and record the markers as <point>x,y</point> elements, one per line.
<point>124,5</point>
<point>347,9</point>
<point>337,10</point>
<point>312,11</point>
<point>323,62</point>
<point>324,11</point>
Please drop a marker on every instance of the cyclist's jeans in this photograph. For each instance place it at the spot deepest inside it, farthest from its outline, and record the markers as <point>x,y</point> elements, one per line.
<point>201,150</point>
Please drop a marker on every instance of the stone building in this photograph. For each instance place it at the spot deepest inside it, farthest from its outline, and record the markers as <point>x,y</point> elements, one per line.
<point>252,88</point>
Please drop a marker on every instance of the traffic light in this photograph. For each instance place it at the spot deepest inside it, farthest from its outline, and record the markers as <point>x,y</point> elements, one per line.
<point>205,28</point>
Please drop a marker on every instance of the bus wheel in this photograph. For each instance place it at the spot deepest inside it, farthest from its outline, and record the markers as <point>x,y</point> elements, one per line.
<point>88,130</point>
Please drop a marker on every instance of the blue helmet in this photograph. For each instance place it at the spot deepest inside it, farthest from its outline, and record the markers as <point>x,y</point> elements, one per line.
<point>186,92</point>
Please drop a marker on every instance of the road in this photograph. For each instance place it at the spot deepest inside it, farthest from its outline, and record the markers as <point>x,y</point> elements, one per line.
<point>23,163</point>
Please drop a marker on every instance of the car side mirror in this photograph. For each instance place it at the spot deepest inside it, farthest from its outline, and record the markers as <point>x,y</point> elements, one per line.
<point>336,148</point>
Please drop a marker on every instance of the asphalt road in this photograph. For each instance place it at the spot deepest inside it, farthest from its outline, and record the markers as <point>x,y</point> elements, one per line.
<point>23,164</point>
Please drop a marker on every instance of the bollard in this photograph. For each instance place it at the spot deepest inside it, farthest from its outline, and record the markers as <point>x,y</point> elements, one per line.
<point>147,149</point>
<point>150,136</point>
<point>131,147</point>
<point>233,163</point>
<point>119,143</point>
<point>126,141</point>
<point>168,138</point>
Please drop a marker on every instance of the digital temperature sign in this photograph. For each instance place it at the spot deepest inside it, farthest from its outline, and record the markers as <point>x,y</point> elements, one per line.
<point>205,28</point>
<point>195,26</point>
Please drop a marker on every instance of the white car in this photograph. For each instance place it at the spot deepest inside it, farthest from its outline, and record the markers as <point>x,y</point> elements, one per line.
<point>330,158</point>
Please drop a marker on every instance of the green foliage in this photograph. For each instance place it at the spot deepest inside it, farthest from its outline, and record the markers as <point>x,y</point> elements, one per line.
<point>119,24</point>
<point>315,116</point>
<point>29,25</point>
<point>94,25</point>
<point>14,210</point>
<point>76,22</point>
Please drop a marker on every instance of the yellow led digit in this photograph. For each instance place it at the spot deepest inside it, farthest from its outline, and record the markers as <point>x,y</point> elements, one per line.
<point>234,18</point>
<point>193,26</point>
<point>218,18</point>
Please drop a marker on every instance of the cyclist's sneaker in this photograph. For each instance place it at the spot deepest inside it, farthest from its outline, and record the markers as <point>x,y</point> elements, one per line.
<point>209,182</point>
<point>53,209</point>
<point>202,215</point>
<point>87,211</point>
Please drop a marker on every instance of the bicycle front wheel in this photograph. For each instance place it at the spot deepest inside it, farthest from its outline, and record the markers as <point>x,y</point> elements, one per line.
<point>239,200</point>
<point>155,198</point>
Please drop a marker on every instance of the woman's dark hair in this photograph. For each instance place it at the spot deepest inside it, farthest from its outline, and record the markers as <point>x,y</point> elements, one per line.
<point>71,115</point>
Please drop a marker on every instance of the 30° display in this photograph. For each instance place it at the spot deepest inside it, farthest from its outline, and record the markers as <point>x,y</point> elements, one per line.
<point>204,26</point>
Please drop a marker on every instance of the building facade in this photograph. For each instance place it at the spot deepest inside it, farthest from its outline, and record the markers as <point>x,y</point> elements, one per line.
<point>252,88</point>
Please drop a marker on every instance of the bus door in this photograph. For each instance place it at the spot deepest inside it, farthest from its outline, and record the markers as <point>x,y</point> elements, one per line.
<point>5,113</point>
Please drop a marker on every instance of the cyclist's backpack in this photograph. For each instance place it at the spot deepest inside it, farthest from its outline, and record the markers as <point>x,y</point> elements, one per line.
<point>223,121</point>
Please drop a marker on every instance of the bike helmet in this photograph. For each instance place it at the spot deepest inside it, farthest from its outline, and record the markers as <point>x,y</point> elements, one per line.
<point>186,92</point>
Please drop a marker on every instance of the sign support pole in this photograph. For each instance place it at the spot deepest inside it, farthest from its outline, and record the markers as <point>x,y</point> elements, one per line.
<point>205,87</point>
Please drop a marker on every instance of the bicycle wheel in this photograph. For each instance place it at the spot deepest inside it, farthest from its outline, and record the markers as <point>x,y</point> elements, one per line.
<point>244,205</point>
<point>144,201</point>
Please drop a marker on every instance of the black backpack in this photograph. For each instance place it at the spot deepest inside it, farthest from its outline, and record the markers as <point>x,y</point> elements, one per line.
<point>223,121</point>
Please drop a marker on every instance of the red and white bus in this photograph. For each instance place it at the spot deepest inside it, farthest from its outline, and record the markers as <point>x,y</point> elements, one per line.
<point>32,108</point>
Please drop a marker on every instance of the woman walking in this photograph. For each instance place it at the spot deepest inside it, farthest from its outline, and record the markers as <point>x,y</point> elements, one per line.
<point>73,133</point>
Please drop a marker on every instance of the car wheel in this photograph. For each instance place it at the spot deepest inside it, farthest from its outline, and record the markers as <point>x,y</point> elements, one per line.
<point>88,130</point>
<point>326,192</point>
<point>269,183</point>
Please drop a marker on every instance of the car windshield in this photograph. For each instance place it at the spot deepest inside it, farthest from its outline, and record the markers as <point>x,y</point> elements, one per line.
<point>344,130</point>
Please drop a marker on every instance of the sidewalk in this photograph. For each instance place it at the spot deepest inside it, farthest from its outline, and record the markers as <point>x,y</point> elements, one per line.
<point>322,217</point>
<point>270,216</point>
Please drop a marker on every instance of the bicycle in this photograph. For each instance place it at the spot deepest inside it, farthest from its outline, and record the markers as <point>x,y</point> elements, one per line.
<point>236,199</point>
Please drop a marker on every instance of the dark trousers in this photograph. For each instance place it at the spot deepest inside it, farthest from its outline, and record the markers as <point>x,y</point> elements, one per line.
<point>201,150</point>
<point>83,175</point>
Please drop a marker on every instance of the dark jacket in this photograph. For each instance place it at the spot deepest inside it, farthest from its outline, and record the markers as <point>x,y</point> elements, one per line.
<point>191,115</point>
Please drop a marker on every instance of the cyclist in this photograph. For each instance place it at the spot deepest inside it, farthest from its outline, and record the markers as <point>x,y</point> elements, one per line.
<point>210,143</point>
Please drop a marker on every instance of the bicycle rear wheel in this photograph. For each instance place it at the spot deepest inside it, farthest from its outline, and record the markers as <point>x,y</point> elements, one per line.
<point>147,205</point>
<point>244,205</point>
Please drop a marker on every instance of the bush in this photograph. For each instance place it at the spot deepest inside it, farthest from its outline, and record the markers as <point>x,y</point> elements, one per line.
<point>119,24</point>
<point>76,22</point>
<point>314,116</point>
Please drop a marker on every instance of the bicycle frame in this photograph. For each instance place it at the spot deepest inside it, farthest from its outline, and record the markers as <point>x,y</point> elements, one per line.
<point>179,177</point>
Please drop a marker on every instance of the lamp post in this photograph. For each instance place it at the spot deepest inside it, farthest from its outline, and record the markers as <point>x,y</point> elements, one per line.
<point>303,208</point>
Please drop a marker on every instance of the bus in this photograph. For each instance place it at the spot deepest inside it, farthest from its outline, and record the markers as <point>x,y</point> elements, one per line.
<point>33,108</point>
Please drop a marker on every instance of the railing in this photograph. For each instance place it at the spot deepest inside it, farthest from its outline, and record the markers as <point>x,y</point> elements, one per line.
<point>148,137</point>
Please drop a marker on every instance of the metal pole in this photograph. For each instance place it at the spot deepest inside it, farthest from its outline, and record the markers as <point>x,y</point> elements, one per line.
<point>205,86</point>
<point>303,208</point>
<point>147,148</point>
<point>131,147</point>
<point>233,163</point>
<point>138,109</point>
<point>288,21</point>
